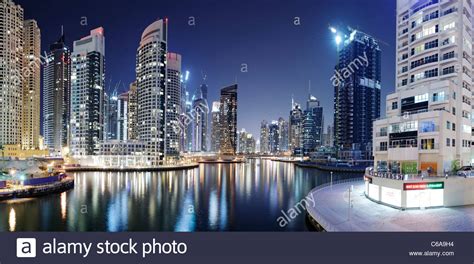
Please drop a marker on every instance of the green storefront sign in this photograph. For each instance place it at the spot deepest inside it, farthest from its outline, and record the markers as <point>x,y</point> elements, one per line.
<point>409,168</point>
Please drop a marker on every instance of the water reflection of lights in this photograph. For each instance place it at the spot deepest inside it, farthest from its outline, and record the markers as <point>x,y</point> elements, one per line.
<point>12,220</point>
<point>63,205</point>
<point>213,208</point>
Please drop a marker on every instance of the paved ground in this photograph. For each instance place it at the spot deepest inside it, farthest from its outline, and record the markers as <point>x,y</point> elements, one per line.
<point>332,212</point>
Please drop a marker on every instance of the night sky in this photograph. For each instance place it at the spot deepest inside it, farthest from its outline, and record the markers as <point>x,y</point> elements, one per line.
<point>282,57</point>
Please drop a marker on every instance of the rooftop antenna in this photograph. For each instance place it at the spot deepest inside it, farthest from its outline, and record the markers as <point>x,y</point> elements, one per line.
<point>62,30</point>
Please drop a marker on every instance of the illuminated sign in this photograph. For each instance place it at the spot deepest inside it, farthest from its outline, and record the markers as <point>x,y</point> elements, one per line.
<point>423,186</point>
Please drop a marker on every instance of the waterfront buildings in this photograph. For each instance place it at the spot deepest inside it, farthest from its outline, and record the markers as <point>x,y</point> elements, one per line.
<point>200,121</point>
<point>295,131</point>
<point>264,137</point>
<point>111,115</point>
<point>283,134</point>
<point>187,123</point>
<point>57,97</point>
<point>11,75</point>
<point>313,125</point>
<point>274,138</point>
<point>87,93</point>
<point>215,129</point>
<point>122,116</point>
<point>133,112</point>
<point>328,137</point>
<point>228,128</point>
<point>428,126</point>
<point>31,85</point>
<point>356,93</point>
<point>173,106</point>
<point>246,143</point>
<point>151,89</point>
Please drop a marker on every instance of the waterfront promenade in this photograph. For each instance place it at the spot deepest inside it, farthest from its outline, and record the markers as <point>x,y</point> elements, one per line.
<point>333,213</point>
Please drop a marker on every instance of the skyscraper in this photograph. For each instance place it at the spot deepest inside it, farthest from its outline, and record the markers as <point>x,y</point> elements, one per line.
<point>228,131</point>
<point>57,97</point>
<point>151,90</point>
<point>329,137</point>
<point>31,85</point>
<point>173,106</point>
<point>133,112</point>
<point>199,123</point>
<point>87,93</point>
<point>246,143</point>
<point>313,125</point>
<point>274,138</point>
<point>296,129</point>
<point>11,75</point>
<point>122,117</point>
<point>111,115</point>
<point>264,138</point>
<point>356,94</point>
<point>283,134</point>
<point>187,121</point>
<point>428,124</point>
<point>215,129</point>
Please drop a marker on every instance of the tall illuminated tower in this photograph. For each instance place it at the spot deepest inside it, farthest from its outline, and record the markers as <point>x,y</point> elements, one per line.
<point>11,78</point>
<point>87,93</point>
<point>133,112</point>
<point>228,131</point>
<point>357,84</point>
<point>215,129</point>
<point>173,106</point>
<point>31,85</point>
<point>151,90</point>
<point>57,97</point>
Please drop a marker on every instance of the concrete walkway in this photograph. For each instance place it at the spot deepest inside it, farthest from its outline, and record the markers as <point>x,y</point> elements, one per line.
<point>332,212</point>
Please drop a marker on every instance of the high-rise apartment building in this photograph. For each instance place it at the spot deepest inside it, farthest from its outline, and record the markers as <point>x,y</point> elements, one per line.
<point>283,134</point>
<point>356,94</point>
<point>57,97</point>
<point>11,74</point>
<point>264,138</point>
<point>313,125</point>
<point>111,115</point>
<point>246,143</point>
<point>428,123</point>
<point>200,125</point>
<point>31,85</point>
<point>173,106</point>
<point>87,93</point>
<point>296,129</point>
<point>215,126</point>
<point>122,116</point>
<point>151,90</point>
<point>133,112</point>
<point>274,138</point>
<point>228,131</point>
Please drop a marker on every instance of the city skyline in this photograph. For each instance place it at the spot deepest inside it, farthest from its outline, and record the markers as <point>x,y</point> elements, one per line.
<point>208,48</point>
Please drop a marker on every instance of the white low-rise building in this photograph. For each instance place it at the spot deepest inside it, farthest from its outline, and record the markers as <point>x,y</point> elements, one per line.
<point>428,123</point>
